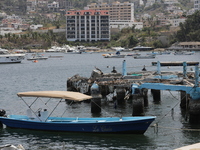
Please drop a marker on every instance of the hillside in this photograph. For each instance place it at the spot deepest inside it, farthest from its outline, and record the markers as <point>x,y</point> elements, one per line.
<point>128,37</point>
<point>18,7</point>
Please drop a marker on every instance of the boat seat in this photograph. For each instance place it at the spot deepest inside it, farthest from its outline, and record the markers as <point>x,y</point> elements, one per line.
<point>101,121</point>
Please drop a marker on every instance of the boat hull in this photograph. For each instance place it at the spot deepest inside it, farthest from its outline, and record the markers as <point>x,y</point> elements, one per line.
<point>131,125</point>
<point>144,57</point>
<point>11,58</point>
<point>44,58</point>
<point>114,56</point>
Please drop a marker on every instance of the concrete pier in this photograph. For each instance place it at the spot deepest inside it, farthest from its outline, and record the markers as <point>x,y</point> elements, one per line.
<point>138,83</point>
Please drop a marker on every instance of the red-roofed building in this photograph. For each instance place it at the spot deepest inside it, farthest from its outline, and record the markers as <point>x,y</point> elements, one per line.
<point>87,25</point>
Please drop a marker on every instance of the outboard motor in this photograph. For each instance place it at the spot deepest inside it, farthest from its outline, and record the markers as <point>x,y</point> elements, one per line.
<point>2,113</point>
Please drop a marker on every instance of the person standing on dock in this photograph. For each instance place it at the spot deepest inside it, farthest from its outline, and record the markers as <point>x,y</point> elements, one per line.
<point>114,71</point>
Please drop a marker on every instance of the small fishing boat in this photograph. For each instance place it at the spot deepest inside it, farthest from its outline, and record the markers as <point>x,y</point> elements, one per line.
<point>41,119</point>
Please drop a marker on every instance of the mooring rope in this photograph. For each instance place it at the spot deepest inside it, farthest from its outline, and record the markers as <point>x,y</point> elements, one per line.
<point>156,124</point>
<point>172,95</point>
<point>103,109</point>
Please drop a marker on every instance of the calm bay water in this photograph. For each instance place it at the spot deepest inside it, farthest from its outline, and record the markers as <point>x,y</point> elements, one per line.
<point>52,74</point>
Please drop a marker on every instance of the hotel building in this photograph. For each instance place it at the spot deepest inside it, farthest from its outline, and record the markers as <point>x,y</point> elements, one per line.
<point>87,25</point>
<point>121,14</point>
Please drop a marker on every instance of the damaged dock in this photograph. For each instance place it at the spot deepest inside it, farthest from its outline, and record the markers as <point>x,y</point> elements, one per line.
<point>134,86</point>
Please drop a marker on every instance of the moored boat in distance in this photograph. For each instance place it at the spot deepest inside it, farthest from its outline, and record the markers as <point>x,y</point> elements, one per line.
<point>184,53</point>
<point>145,57</point>
<point>41,119</point>
<point>6,57</point>
<point>143,48</point>
<point>116,55</point>
<point>37,56</point>
<point>118,48</point>
<point>133,54</point>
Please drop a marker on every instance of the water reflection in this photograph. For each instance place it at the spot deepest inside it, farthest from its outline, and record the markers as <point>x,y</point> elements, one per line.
<point>58,140</point>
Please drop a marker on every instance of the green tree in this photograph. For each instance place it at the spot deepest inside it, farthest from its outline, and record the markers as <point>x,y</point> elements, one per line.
<point>190,29</point>
<point>132,41</point>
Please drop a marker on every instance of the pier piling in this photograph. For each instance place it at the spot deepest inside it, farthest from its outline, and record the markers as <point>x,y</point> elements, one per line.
<point>145,97</point>
<point>194,104</point>
<point>184,100</point>
<point>138,105</point>
<point>121,92</point>
<point>194,112</point>
<point>158,67</point>
<point>184,70</point>
<point>96,99</point>
<point>124,72</point>
<point>156,95</point>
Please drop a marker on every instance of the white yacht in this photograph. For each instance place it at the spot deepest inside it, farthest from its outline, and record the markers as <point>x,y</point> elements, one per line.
<point>6,57</point>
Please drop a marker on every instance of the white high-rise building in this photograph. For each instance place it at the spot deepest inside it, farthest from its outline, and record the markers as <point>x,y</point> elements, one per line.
<point>87,25</point>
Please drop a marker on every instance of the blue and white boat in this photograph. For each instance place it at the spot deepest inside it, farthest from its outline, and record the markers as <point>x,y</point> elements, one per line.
<point>41,119</point>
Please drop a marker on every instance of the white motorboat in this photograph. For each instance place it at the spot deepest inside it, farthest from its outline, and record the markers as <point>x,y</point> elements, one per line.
<point>37,56</point>
<point>143,48</point>
<point>145,57</point>
<point>118,48</point>
<point>6,57</point>
<point>114,56</point>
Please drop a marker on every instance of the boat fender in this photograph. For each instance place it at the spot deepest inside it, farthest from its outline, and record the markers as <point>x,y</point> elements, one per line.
<point>44,115</point>
<point>2,113</point>
<point>134,89</point>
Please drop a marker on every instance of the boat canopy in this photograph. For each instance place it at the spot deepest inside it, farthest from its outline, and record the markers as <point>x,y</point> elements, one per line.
<point>76,96</point>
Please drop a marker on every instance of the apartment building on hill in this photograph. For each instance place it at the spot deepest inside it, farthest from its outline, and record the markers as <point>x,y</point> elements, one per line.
<point>121,14</point>
<point>87,25</point>
<point>196,5</point>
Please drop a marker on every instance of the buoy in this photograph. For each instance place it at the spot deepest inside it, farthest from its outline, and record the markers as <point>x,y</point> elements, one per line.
<point>35,61</point>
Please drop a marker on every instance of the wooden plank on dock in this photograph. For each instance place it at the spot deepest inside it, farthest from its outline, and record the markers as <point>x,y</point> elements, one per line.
<point>176,63</point>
